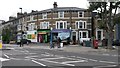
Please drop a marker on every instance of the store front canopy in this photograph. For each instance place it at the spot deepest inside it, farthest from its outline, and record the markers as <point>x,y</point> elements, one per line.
<point>60,30</point>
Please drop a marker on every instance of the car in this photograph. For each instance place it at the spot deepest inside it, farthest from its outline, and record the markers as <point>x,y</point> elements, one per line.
<point>25,41</point>
<point>116,43</point>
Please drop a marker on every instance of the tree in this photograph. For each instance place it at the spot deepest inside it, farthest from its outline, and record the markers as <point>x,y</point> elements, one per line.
<point>108,17</point>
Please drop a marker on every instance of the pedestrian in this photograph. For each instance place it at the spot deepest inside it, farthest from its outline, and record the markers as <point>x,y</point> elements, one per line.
<point>21,43</point>
<point>58,42</point>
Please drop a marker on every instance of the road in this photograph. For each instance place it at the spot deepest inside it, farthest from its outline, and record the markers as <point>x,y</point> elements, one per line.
<point>27,56</point>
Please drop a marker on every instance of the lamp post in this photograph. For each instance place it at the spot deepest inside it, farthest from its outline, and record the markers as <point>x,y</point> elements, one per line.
<point>51,39</point>
<point>21,41</point>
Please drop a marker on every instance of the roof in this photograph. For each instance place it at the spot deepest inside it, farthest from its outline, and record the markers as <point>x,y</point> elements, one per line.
<point>59,9</point>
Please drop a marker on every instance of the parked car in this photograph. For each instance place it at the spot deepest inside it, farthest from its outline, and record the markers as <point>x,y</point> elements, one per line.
<point>25,41</point>
<point>116,43</point>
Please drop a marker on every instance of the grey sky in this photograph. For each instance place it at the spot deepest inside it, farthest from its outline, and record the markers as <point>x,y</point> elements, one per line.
<point>11,7</point>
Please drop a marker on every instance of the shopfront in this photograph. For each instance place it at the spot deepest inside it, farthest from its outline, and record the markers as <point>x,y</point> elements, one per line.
<point>63,34</point>
<point>31,35</point>
<point>43,35</point>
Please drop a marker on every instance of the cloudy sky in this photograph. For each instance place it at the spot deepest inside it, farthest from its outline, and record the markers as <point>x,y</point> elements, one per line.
<point>11,7</point>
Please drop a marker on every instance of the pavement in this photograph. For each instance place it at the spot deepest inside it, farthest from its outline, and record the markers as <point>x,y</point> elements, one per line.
<point>67,48</point>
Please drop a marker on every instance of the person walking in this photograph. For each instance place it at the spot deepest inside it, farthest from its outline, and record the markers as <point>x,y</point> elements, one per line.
<point>58,42</point>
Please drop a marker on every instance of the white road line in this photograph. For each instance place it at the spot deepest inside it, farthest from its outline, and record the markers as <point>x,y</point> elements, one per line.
<point>38,63</point>
<point>30,56</point>
<point>3,59</point>
<point>114,55</point>
<point>107,62</point>
<point>6,56</point>
<point>106,54</point>
<point>56,62</point>
<point>82,58</point>
<point>74,61</point>
<point>105,66</point>
<point>93,60</point>
<point>53,58</point>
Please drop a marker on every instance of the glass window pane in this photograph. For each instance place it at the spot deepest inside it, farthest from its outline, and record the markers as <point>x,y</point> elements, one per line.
<point>84,35</point>
<point>61,25</point>
<point>80,24</point>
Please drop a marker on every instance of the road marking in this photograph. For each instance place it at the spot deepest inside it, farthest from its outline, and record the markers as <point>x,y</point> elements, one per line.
<point>18,59</point>
<point>93,60</point>
<point>3,59</point>
<point>53,58</point>
<point>106,54</point>
<point>30,56</point>
<point>105,66</point>
<point>114,55</point>
<point>30,53</point>
<point>82,58</point>
<point>56,62</point>
<point>74,61</point>
<point>38,63</point>
<point>6,56</point>
<point>107,62</point>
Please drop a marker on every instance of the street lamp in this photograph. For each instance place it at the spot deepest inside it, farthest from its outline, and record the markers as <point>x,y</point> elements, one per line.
<point>22,32</point>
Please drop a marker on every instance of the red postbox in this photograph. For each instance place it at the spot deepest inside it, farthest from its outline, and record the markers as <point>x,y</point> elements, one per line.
<point>95,44</point>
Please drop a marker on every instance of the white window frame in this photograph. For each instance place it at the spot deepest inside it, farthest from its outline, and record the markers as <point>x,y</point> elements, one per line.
<point>31,26</point>
<point>42,27</point>
<point>82,34</point>
<point>63,22</point>
<point>79,14</point>
<point>44,16</point>
<point>83,26</point>
<point>59,14</point>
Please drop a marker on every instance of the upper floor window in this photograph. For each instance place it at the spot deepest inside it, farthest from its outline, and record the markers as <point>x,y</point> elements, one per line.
<point>60,14</point>
<point>31,26</point>
<point>44,25</point>
<point>80,14</point>
<point>44,16</point>
<point>80,24</point>
<point>61,24</point>
<point>19,27</point>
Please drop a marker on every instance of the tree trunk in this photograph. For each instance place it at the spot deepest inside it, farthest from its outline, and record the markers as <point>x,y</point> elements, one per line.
<point>110,39</point>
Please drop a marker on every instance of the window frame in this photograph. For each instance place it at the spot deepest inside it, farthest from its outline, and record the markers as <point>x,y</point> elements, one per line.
<point>64,23</point>
<point>59,14</point>
<point>77,24</point>
<point>44,16</point>
<point>81,14</point>
<point>42,25</point>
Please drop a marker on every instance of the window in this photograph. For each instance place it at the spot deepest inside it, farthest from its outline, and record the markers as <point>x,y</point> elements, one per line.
<point>44,16</point>
<point>19,27</point>
<point>61,24</point>
<point>31,26</point>
<point>84,35</point>
<point>80,14</point>
<point>60,14</point>
<point>44,25</point>
<point>80,24</point>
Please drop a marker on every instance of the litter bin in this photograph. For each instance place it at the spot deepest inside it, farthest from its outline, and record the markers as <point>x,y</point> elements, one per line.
<point>95,44</point>
<point>87,43</point>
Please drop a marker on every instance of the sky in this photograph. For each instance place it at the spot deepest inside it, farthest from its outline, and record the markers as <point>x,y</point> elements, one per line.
<point>11,7</point>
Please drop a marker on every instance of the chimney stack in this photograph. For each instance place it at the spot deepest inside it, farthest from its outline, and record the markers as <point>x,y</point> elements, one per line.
<point>55,5</point>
